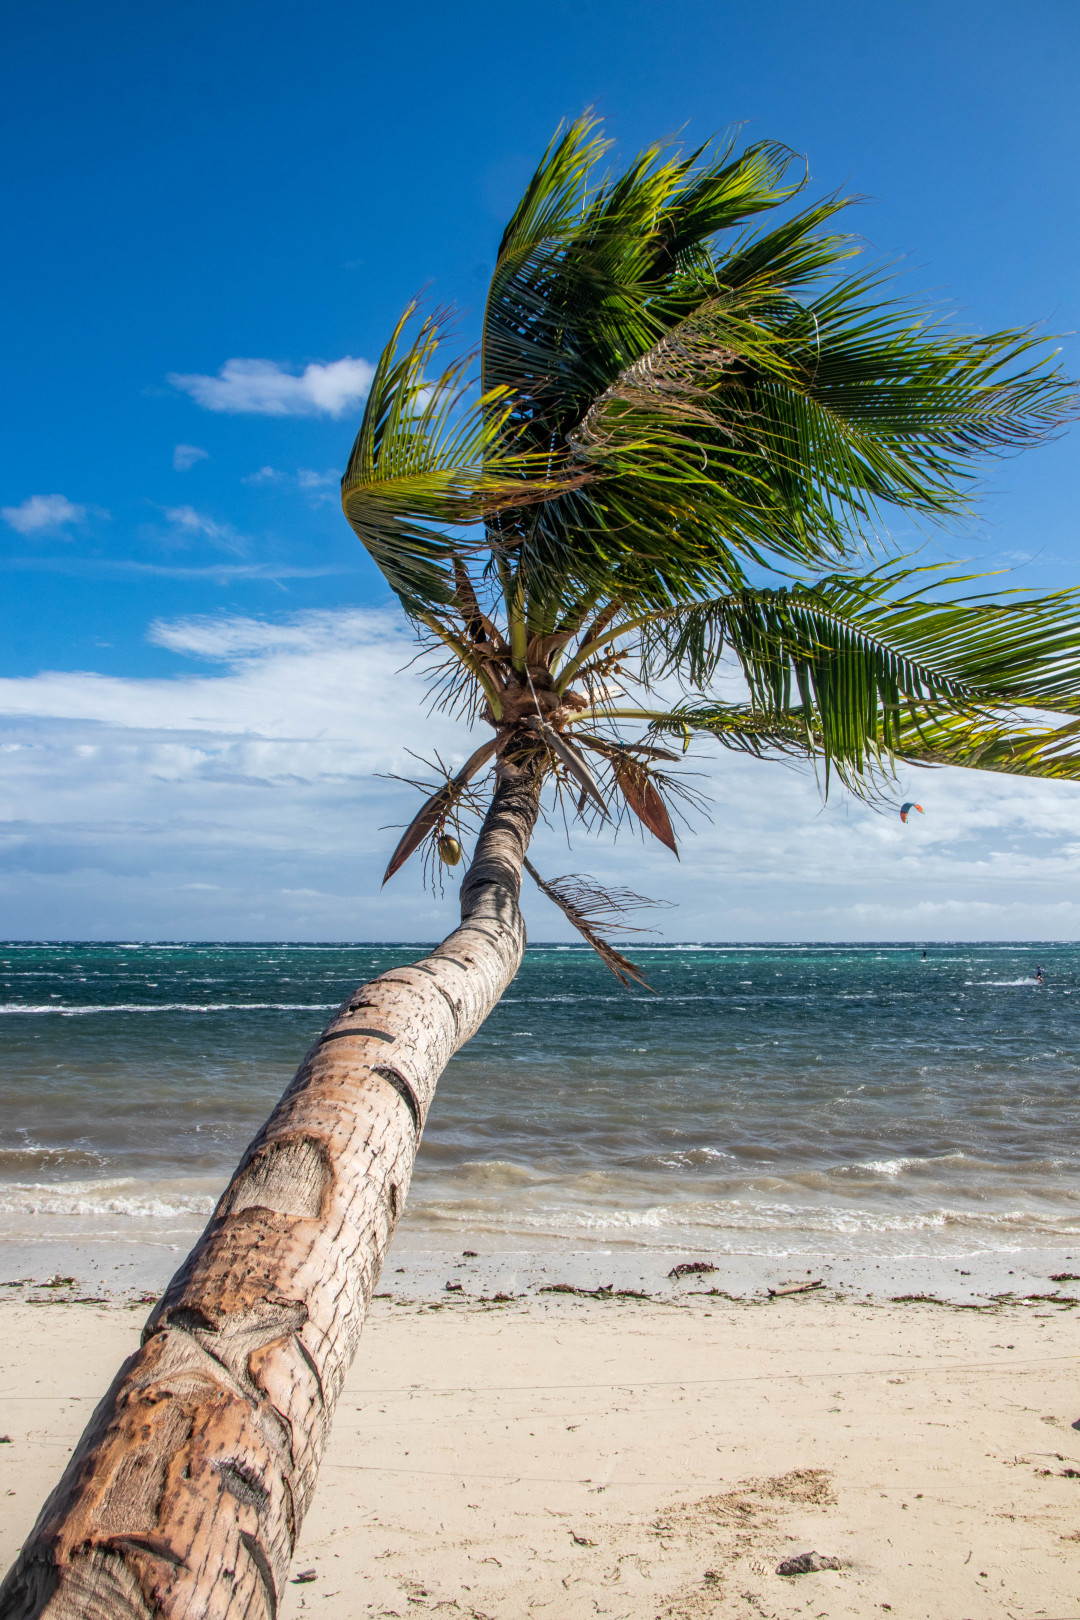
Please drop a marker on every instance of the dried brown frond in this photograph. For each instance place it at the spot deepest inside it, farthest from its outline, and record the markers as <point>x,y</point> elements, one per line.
<point>633,779</point>
<point>668,376</point>
<point>594,911</point>
<point>451,803</point>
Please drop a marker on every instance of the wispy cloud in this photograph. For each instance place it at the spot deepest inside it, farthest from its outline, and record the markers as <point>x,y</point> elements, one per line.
<point>308,677</point>
<point>307,479</point>
<point>43,514</point>
<point>185,456</point>
<point>314,484</point>
<point>131,567</point>
<point>233,639</point>
<point>194,524</point>
<point>264,388</point>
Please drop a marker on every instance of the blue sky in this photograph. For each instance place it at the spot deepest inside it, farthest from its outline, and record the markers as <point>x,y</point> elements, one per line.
<point>192,186</point>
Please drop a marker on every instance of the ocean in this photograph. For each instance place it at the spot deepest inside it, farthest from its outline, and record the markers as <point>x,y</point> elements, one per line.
<point>769,1100</point>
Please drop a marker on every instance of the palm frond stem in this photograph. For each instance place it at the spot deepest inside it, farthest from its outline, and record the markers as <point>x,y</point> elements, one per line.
<point>468,658</point>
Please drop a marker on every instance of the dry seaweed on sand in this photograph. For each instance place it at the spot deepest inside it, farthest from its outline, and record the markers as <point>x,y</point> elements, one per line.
<point>807,1563</point>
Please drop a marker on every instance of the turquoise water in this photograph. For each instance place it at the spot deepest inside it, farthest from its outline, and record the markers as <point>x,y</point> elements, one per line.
<point>765,1097</point>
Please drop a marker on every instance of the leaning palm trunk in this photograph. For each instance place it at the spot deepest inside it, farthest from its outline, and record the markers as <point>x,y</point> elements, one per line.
<point>186,1493</point>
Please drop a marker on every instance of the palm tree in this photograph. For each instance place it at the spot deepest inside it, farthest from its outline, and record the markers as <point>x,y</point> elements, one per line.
<point>678,452</point>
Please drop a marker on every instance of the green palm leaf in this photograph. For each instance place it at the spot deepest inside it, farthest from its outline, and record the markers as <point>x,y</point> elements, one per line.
<point>978,741</point>
<point>860,667</point>
<point>675,411</point>
<point>426,460</point>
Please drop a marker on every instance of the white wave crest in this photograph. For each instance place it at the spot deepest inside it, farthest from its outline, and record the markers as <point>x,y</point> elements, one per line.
<point>166,1006</point>
<point>89,1198</point>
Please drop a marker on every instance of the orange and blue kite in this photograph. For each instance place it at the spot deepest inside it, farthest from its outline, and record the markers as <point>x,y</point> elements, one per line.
<point>911,805</point>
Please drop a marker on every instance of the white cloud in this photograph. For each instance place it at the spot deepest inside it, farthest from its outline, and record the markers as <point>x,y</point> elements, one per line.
<point>263,388</point>
<point>43,514</point>
<point>258,782</point>
<point>310,686</point>
<point>230,639</point>
<point>243,799</point>
<point>132,568</point>
<point>196,524</point>
<point>185,456</point>
<point>317,485</point>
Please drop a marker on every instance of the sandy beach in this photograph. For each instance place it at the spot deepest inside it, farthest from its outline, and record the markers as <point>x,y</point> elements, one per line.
<point>544,1414</point>
<point>633,1457</point>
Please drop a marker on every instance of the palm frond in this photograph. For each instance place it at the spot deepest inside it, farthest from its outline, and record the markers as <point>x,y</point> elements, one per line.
<point>762,426</point>
<point>739,727</point>
<point>426,459</point>
<point>431,818</point>
<point>931,736</point>
<point>1016,648</point>
<point>636,777</point>
<point>986,743</point>
<point>855,661</point>
<point>594,911</point>
<point>570,757</point>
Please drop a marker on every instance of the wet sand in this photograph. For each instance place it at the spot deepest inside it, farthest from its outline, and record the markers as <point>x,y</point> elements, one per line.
<point>577,1455</point>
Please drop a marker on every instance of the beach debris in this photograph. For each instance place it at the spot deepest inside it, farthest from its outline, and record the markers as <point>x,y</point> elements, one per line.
<point>796,1288</point>
<point>906,809</point>
<point>469,1254</point>
<point>1065,1276</point>
<point>454,1288</point>
<point>949,1304</point>
<point>59,1282</point>
<point>807,1563</point>
<point>303,1576</point>
<point>608,1292</point>
<point>571,1288</point>
<point>691,1268</point>
<point>6,1440</point>
<point>581,1541</point>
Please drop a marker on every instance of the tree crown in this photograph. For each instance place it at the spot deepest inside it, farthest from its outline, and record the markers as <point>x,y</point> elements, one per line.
<point>679,444</point>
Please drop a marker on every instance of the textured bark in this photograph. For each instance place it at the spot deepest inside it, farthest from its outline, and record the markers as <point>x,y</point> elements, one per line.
<point>187,1490</point>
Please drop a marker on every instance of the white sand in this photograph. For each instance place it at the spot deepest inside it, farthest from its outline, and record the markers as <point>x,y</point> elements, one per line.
<point>578,1458</point>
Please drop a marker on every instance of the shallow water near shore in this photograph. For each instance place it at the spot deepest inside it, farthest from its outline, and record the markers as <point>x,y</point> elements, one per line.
<point>771,1101</point>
